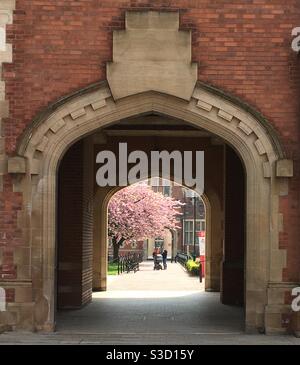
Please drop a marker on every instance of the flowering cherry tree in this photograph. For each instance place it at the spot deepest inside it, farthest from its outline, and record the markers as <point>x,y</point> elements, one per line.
<point>137,213</point>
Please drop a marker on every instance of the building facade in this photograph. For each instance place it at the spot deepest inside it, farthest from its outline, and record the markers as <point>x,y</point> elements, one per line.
<point>80,76</point>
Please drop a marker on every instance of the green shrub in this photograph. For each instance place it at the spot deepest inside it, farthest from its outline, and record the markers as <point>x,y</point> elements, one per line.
<point>192,267</point>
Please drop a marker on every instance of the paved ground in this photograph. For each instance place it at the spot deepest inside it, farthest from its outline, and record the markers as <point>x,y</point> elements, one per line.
<point>151,307</point>
<point>147,279</point>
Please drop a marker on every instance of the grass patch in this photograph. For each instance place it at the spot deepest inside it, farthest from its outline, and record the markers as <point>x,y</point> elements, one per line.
<point>112,269</point>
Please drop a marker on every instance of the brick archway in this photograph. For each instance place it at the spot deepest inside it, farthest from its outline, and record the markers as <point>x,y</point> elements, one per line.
<point>52,133</point>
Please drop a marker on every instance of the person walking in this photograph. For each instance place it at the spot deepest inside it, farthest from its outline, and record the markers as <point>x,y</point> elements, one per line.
<point>164,257</point>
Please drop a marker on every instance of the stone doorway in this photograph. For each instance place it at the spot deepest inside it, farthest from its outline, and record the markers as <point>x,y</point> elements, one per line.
<point>78,117</point>
<point>82,231</point>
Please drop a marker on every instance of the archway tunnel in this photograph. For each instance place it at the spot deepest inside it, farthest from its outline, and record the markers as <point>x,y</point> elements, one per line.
<point>82,207</point>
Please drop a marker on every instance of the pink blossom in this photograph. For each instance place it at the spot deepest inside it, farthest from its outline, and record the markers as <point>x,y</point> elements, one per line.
<point>137,213</point>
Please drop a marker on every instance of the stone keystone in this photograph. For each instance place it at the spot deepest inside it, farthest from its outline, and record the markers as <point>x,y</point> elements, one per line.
<point>152,54</point>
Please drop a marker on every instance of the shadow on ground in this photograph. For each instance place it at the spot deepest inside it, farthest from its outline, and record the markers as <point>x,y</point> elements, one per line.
<point>193,313</point>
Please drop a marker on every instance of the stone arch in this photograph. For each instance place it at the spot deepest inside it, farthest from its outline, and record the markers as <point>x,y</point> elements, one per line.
<point>101,201</point>
<point>213,234</point>
<point>45,141</point>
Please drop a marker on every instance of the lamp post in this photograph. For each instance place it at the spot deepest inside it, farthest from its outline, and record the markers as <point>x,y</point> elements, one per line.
<point>173,233</point>
<point>183,222</point>
<point>195,220</point>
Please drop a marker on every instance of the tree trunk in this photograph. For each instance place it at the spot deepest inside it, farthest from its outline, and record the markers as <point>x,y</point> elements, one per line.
<point>116,247</point>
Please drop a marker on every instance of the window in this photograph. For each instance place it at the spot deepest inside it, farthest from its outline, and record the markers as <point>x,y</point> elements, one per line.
<point>166,190</point>
<point>200,225</point>
<point>154,183</point>
<point>189,230</point>
<point>160,185</point>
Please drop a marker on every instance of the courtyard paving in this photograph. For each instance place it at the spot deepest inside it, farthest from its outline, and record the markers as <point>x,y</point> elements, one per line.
<point>151,308</point>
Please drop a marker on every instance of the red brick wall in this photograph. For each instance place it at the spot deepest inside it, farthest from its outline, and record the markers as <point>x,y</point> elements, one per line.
<point>242,47</point>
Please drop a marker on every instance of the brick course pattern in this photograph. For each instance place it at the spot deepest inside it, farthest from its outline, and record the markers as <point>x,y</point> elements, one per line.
<point>242,47</point>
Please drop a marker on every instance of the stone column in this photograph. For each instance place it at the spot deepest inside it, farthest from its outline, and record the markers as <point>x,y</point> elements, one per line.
<point>100,246</point>
<point>213,199</point>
